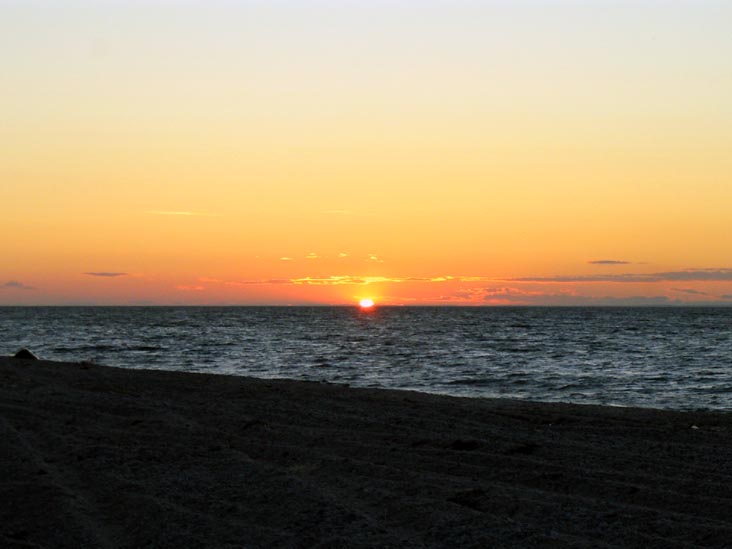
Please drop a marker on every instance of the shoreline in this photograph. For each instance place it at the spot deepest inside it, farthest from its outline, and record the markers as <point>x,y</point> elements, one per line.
<point>116,457</point>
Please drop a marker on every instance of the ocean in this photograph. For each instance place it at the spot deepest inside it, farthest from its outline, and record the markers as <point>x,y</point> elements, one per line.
<point>673,357</point>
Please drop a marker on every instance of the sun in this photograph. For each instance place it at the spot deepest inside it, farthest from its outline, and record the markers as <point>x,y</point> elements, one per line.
<point>366,303</point>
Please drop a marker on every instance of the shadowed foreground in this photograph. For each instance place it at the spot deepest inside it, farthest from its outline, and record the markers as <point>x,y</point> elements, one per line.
<point>107,457</point>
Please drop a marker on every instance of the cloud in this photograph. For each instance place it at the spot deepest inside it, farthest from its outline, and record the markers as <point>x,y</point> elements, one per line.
<point>690,291</point>
<point>335,280</point>
<point>436,279</point>
<point>608,262</point>
<point>261,282</point>
<point>15,285</point>
<point>512,296</point>
<point>633,301</point>
<point>105,274</point>
<point>696,275</point>
<point>668,276</point>
<point>342,255</point>
<point>517,296</point>
<point>190,288</point>
<point>311,255</point>
<point>464,295</point>
<point>489,293</point>
<point>286,259</point>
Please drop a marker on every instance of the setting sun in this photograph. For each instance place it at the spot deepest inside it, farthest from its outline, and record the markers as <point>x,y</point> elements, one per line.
<point>366,303</point>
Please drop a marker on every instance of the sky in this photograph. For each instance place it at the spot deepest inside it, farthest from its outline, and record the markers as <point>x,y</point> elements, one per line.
<point>524,152</point>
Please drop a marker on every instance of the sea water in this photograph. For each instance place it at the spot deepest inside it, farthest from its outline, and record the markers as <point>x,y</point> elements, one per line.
<point>679,358</point>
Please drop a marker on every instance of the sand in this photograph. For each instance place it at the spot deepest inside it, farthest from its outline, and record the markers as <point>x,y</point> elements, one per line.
<point>93,456</point>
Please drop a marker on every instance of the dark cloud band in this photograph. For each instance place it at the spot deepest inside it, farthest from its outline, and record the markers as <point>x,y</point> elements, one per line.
<point>669,276</point>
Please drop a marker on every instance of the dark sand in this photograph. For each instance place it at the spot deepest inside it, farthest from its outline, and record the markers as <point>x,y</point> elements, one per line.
<point>93,456</point>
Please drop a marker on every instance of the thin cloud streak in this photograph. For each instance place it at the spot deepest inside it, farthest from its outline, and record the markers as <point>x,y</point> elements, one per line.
<point>689,291</point>
<point>262,282</point>
<point>608,262</point>
<point>105,274</point>
<point>15,285</point>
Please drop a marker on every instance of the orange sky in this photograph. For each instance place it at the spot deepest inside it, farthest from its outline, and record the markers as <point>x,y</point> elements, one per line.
<point>415,152</point>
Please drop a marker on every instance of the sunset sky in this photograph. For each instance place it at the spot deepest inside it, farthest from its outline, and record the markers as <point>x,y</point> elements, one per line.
<point>488,152</point>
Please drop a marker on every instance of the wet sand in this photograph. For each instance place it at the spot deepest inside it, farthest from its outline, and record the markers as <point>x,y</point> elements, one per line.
<point>93,456</point>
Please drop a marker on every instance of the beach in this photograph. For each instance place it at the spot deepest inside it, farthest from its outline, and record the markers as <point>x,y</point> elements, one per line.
<point>95,456</point>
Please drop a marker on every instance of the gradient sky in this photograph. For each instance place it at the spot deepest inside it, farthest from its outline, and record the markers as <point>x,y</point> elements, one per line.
<point>276,152</point>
